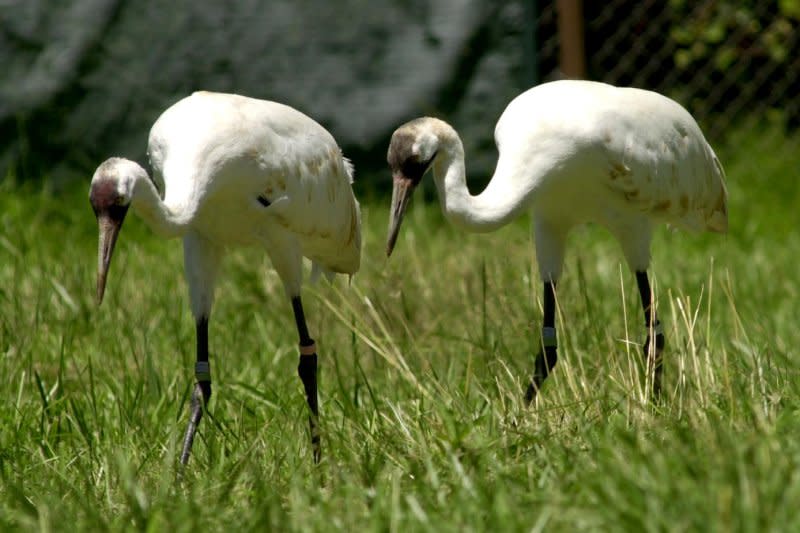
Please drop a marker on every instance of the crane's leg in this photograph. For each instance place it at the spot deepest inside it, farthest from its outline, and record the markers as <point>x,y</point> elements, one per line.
<point>652,350</point>
<point>202,389</point>
<point>307,370</point>
<point>546,360</point>
<point>201,262</point>
<point>549,240</point>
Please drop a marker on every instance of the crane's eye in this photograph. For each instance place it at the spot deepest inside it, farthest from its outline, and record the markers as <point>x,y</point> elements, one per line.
<point>117,211</point>
<point>414,169</point>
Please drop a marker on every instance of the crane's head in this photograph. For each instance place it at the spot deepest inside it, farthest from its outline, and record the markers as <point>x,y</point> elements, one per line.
<point>110,195</point>
<point>413,148</point>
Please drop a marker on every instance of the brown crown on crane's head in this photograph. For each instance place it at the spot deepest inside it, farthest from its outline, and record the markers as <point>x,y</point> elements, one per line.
<point>110,195</point>
<point>413,148</point>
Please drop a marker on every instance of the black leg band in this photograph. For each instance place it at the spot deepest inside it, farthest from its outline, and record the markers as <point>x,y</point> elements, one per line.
<point>307,370</point>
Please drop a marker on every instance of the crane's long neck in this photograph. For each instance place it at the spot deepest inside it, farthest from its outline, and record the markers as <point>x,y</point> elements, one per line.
<point>489,210</point>
<point>164,220</point>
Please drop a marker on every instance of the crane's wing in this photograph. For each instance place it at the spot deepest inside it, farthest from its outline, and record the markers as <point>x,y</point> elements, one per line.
<point>659,160</point>
<point>261,166</point>
<point>676,177</point>
<point>323,213</point>
<point>310,182</point>
<point>641,145</point>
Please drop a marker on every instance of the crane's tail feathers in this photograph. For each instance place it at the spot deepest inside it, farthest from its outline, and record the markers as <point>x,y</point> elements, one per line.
<point>718,219</point>
<point>349,168</point>
<point>718,222</point>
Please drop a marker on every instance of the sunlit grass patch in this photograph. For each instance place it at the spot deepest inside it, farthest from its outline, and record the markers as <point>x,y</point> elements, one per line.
<point>424,360</point>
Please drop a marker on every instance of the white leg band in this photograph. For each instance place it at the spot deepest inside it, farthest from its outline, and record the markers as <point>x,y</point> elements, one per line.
<point>658,329</point>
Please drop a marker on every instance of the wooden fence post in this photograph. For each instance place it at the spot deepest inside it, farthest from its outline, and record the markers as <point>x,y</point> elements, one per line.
<point>572,59</point>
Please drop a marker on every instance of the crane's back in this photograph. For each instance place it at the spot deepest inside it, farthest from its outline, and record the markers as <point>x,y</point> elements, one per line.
<point>201,133</point>
<point>589,138</point>
<point>250,169</point>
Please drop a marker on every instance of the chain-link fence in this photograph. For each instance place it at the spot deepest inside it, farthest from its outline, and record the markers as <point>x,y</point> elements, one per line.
<point>733,63</point>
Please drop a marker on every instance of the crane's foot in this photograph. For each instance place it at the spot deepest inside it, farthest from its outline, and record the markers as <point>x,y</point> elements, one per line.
<point>200,397</point>
<point>653,361</point>
<point>307,370</point>
<point>545,362</point>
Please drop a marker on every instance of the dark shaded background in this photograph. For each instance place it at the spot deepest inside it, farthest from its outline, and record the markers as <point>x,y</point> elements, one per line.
<point>84,79</point>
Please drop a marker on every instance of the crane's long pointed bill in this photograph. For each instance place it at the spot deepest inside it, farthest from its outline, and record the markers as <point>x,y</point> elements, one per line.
<point>401,193</point>
<point>109,231</point>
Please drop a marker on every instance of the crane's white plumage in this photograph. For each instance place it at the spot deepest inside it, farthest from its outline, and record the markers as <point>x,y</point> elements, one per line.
<point>573,135</point>
<point>572,152</point>
<point>229,171</point>
<point>214,155</point>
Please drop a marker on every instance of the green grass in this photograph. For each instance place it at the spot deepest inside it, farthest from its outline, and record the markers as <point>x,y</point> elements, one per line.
<point>424,360</point>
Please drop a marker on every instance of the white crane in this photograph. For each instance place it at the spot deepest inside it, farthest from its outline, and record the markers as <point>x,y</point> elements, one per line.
<point>573,152</point>
<point>232,171</point>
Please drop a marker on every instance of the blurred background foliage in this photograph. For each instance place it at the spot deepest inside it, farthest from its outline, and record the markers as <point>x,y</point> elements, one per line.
<point>84,79</point>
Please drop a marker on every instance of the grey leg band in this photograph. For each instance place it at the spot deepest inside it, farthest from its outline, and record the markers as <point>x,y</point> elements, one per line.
<point>202,371</point>
<point>549,337</point>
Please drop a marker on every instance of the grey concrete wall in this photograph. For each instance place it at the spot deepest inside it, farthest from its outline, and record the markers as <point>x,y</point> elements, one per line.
<point>84,79</point>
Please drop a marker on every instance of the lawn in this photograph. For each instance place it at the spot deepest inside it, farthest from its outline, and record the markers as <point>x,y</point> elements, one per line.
<point>424,359</point>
